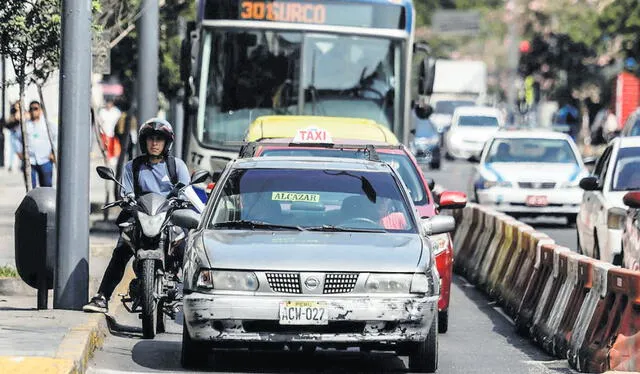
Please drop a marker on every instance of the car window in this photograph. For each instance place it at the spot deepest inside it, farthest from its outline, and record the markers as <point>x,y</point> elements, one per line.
<point>601,164</point>
<point>400,162</point>
<point>531,150</point>
<point>635,130</point>
<point>478,121</point>
<point>307,198</point>
<point>626,173</point>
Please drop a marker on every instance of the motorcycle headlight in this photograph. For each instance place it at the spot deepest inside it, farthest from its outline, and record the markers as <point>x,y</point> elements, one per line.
<point>615,218</point>
<point>440,243</point>
<point>227,280</point>
<point>151,225</point>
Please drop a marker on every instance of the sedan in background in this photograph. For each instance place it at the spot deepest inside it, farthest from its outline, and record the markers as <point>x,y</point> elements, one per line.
<point>443,113</point>
<point>470,128</point>
<point>602,211</point>
<point>530,173</point>
<point>425,145</point>
<point>631,232</point>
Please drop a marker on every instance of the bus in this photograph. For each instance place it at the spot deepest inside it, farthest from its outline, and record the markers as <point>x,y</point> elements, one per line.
<point>244,59</point>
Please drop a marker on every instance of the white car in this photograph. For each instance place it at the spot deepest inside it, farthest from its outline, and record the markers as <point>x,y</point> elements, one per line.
<point>471,127</point>
<point>443,113</point>
<point>602,212</point>
<point>527,173</point>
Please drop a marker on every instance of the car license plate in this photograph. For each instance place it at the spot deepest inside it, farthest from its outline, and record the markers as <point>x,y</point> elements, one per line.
<point>536,201</point>
<point>303,313</point>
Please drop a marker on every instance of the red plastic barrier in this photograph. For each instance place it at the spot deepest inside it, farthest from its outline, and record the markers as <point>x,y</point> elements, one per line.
<point>581,288</point>
<point>619,316</point>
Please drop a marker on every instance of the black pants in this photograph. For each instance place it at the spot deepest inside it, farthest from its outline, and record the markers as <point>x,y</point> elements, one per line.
<point>115,270</point>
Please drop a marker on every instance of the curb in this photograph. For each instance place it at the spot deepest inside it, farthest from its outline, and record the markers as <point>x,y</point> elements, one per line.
<point>77,346</point>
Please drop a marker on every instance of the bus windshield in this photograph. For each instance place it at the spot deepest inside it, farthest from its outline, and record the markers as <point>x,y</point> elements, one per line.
<point>250,73</point>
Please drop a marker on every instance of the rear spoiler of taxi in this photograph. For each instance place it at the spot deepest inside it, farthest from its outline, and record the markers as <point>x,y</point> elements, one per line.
<point>249,149</point>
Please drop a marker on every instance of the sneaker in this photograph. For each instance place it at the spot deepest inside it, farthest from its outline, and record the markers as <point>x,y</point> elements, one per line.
<point>98,304</point>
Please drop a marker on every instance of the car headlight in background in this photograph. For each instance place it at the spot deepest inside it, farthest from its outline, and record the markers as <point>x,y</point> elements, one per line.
<point>575,181</point>
<point>398,283</point>
<point>615,218</point>
<point>440,243</point>
<point>227,280</point>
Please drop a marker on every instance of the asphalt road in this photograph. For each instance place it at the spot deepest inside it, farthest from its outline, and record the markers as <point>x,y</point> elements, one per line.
<point>481,339</point>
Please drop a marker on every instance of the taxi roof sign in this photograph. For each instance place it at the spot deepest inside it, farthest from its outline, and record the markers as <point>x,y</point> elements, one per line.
<point>313,134</point>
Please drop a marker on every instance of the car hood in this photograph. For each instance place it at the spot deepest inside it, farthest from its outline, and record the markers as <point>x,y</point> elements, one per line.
<point>475,134</point>
<point>312,251</point>
<point>533,172</point>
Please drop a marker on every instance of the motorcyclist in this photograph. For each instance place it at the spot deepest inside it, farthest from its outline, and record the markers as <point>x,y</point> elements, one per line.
<point>154,171</point>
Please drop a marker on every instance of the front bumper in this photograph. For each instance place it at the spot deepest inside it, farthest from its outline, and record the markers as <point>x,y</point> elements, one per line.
<point>513,200</point>
<point>353,320</point>
<point>465,150</point>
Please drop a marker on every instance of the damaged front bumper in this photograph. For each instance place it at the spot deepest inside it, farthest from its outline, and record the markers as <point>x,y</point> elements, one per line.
<point>352,321</point>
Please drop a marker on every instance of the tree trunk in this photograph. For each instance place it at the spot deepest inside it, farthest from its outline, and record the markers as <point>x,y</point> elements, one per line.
<point>26,159</point>
<point>46,121</point>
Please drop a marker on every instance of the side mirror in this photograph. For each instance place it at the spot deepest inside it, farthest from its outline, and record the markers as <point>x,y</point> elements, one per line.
<point>185,218</point>
<point>106,173</point>
<point>474,159</point>
<point>438,225</point>
<point>199,176</point>
<point>632,199</point>
<point>590,183</point>
<point>453,200</point>
<point>589,160</point>
<point>427,76</point>
<point>431,183</point>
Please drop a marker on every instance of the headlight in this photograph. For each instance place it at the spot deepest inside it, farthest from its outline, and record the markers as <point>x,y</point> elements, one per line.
<point>151,225</point>
<point>440,243</point>
<point>388,283</point>
<point>420,283</point>
<point>490,184</point>
<point>227,280</point>
<point>615,218</point>
<point>575,182</point>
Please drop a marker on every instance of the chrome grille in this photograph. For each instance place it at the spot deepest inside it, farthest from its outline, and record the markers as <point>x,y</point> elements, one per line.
<point>545,185</point>
<point>340,282</point>
<point>284,282</point>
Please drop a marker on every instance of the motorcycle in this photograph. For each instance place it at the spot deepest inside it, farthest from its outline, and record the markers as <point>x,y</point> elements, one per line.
<point>152,229</point>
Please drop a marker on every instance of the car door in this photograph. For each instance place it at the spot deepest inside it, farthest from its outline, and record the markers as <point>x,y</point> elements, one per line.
<point>588,214</point>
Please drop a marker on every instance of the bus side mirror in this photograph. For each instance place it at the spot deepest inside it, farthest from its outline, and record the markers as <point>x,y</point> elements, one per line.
<point>427,76</point>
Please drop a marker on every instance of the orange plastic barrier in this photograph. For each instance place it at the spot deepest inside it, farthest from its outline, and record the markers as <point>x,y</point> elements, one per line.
<point>619,315</point>
<point>593,308</point>
<point>539,326</point>
<point>581,287</point>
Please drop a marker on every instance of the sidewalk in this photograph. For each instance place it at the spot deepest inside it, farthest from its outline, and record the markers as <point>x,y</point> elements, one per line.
<point>51,341</point>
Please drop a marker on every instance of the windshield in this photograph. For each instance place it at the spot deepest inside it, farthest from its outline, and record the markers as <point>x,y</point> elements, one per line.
<point>250,73</point>
<point>531,150</point>
<point>478,121</point>
<point>626,175</point>
<point>447,107</point>
<point>312,199</point>
<point>635,130</point>
<point>400,162</point>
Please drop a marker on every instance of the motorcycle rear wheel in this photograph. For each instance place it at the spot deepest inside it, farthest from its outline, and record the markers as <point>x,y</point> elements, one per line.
<point>149,302</point>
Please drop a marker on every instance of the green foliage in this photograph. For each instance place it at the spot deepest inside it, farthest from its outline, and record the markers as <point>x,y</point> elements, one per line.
<point>8,272</point>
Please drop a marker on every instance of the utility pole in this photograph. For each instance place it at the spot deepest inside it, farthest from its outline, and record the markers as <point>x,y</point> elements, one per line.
<point>71,289</point>
<point>148,62</point>
<point>4,87</point>
<point>513,55</point>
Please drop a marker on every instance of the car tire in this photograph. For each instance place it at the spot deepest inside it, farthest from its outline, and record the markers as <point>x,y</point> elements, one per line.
<point>571,219</point>
<point>423,357</point>
<point>448,156</point>
<point>443,321</point>
<point>194,353</point>
<point>619,258</point>
<point>435,165</point>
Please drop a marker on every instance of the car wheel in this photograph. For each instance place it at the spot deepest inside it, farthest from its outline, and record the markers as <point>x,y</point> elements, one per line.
<point>571,219</point>
<point>194,353</point>
<point>619,258</point>
<point>423,358</point>
<point>443,321</point>
<point>435,165</point>
<point>448,156</point>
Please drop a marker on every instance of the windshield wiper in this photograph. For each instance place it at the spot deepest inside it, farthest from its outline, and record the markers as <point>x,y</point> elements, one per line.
<point>245,224</point>
<point>333,228</point>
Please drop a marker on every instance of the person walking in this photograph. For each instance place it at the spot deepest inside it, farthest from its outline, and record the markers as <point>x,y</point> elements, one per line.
<point>41,155</point>
<point>13,125</point>
<point>109,116</point>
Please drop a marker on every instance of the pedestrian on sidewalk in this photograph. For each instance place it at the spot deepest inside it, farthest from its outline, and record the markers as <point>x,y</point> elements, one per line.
<point>109,116</point>
<point>13,125</point>
<point>41,154</point>
<point>157,172</point>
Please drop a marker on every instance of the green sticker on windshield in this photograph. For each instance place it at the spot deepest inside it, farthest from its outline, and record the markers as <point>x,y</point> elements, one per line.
<point>294,196</point>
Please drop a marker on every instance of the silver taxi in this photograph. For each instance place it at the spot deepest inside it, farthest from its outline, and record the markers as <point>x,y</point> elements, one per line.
<point>312,252</point>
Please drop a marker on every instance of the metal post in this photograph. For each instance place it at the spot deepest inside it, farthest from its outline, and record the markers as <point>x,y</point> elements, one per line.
<point>71,289</point>
<point>513,56</point>
<point>148,61</point>
<point>4,88</point>
<point>178,125</point>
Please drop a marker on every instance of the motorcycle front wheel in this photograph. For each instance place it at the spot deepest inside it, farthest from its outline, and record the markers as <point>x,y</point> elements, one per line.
<point>149,302</point>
